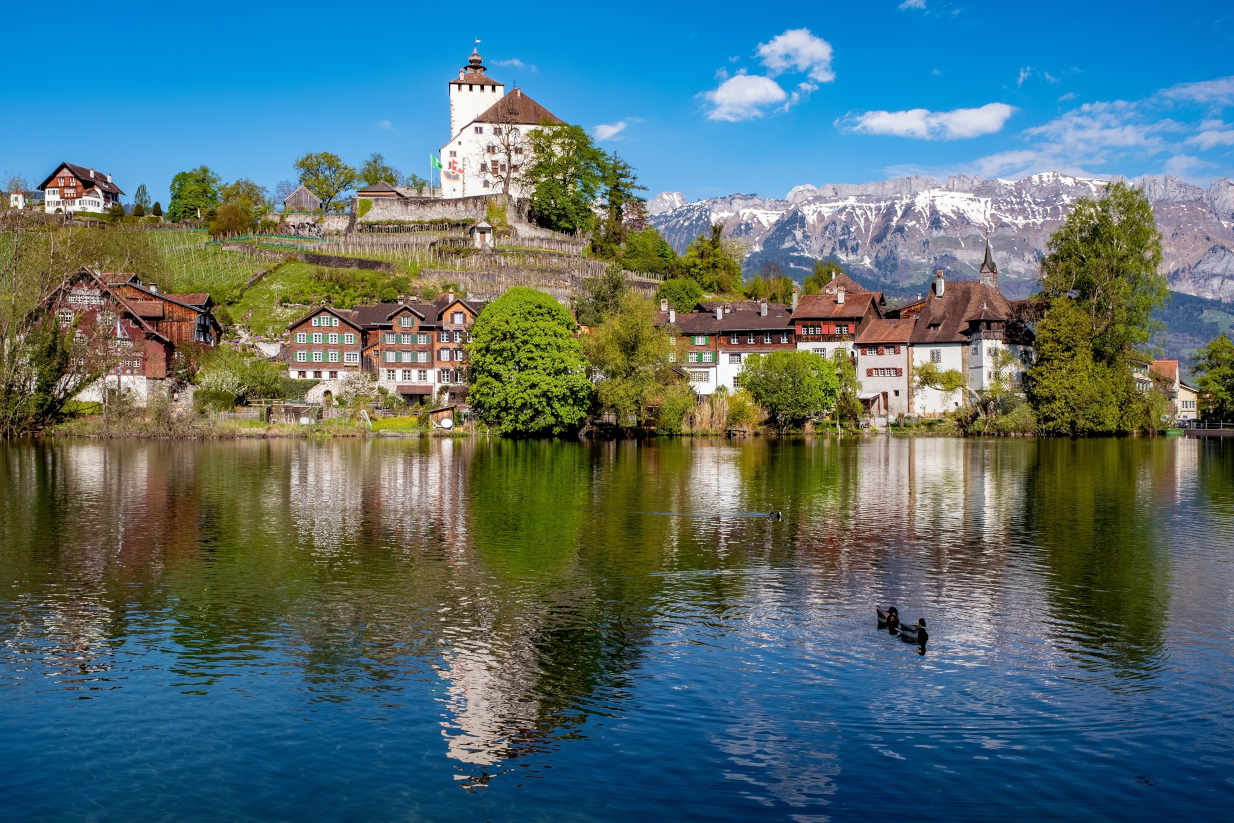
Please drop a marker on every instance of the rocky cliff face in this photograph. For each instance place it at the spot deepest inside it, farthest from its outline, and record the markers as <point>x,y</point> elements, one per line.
<point>894,233</point>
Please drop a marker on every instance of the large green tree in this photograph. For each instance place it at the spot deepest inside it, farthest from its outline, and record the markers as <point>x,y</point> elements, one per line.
<point>194,194</point>
<point>242,205</point>
<point>824,272</point>
<point>712,263</point>
<point>630,352</point>
<point>646,250</point>
<point>325,175</point>
<point>1213,366</point>
<point>682,293</point>
<point>620,187</point>
<point>142,197</point>
<point>791,386</point>
<point>601,296</point>
<point>565,177</point>
<point>375,170</point>
<point>527,373</point>
<point>1106,257</point>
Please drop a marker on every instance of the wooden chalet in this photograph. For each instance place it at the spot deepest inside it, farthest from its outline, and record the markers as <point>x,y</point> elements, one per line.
<point>302,200</point>
<point>182,318</point>
<point>73,188</point>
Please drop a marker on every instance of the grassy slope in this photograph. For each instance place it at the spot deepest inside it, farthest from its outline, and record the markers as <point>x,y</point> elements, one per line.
<point>259,307</point>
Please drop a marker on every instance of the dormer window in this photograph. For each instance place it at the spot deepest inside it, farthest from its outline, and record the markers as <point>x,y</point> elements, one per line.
<point>458,318</point>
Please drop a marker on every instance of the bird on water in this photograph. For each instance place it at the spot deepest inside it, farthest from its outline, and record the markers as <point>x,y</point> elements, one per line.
<point>915,634</point>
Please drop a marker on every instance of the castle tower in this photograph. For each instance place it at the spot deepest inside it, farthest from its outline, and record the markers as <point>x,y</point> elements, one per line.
<point>989,269</point>
<point>472,93</point>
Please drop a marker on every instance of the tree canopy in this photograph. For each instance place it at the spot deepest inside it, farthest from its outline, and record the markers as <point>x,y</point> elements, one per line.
<point>631,354</point>
<point>711,262</point>
<point>527,373</point>
<point>565,176</point>
<point>824,271</point>
<point>375,170</point>
<point>1213,366</point>
<point>646,250</point>
<point>193,194</point>
<point>620,186</point>
<point>682,293</point>
<point>1105,257</point>
<point>325,175</point>
<point>791,386</point>
<point>601,296</point>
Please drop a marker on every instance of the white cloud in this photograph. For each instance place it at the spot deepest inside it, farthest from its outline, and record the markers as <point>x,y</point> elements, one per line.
<point>1068,96</point>
<point>743,97</point>
<point>798,50</point>
<point>514,63</point>
<point>1219,92</point>
<point>1025,73</point>
<point>1183,164</point>
<point>1212,133</point>
<point>603,132</point>
<point>1095,127</point>
<point>924,124</point>
<point>913,4</point>
<point>385,124</point>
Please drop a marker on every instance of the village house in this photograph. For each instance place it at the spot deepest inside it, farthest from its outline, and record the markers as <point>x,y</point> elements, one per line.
<point>181,318</point>
<point>113,337</point>
<point>412,348</point>
<point>831,320</point>
<point>963,327</point>
<point>72,189</point>
<point>1183,399</point>
<point>487,131</point>
<point>721,336</point>
<point>884,368</point>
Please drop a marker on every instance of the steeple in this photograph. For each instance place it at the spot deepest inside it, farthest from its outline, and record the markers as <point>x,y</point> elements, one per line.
<point>989,269</point>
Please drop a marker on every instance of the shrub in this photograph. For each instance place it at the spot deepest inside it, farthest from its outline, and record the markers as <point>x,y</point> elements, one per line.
<point>213,400</point>
<point>675,403</point>
<point>364,205</point>
<point>743,412</point>
<point>682,294</point>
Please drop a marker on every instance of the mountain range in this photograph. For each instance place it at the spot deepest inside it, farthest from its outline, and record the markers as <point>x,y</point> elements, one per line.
<point>893,234</point>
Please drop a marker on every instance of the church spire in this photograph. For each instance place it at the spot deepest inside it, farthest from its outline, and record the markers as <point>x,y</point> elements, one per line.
<point>989,269</point>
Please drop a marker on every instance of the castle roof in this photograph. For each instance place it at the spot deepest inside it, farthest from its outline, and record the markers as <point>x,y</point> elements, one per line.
<point>474,72</point>
<point>517,107</point>
<point>946,319</point>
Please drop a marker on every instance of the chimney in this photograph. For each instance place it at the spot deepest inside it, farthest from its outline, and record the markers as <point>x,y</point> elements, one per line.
<point>762,309</point>
<point>939,283</point>
<point>154,288</point>
<point>664,305</point>
<point>451,296</point>
<point>840,296</point>
<point>794,298</point>
<point>109,178</point>
<point>719,312</point>
<point>91,174</point>
<point>672,315</point>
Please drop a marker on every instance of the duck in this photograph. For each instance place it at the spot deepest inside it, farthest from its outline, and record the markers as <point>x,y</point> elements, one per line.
<point>915,634</point>
<point>889,618</point>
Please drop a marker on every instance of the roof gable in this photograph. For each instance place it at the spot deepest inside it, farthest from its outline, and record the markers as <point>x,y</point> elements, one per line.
<point>518,108</point>
<point>345,316</point>
<point>88,273</point>
<point>946,319</point>
<point>100,179</point>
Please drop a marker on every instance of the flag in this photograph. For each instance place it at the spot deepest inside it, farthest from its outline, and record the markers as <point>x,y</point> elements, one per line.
<point>435,163</point>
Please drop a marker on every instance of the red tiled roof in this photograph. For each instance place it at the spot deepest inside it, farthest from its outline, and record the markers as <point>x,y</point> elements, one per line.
<point>83,174</point>
<point>825,306</point>
<point>887,331</point>
<point>1167,369</point>
<point>945,319</point>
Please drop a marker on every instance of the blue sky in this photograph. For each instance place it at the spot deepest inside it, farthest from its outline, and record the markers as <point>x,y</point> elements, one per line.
<point>705,99</point>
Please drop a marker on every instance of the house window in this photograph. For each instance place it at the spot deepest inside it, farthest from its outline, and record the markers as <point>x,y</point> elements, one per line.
<point>65,317</point>
<point>301,357</point>
<point>349,339</point>
<point>701,340</point>
<point>443,376</point>
<point>334,375</point>
<point>842,328</point>
<point>443,337</point>
<point>496,129</point>
<point>351,357</point>
<point>734,358</point>
<point>317,337</point>
<point>707,356</point>
<point>767,337</point>
<point>316,375</point>
<point>389,356</point>
<point>783,337</point>
<point>443,354</point>
<point>406,321</point>
<point>390,374</point>
<point>329,321</point>
<point>479,129</point>
<point>700,377</point>
<point>454,154</point>
<point>458,337</point>
<point>301,375</point>
<point>407,375</point>
<point>316,321</point>
<point>672,357</point>
<point>316,357</point>
<point>423,356</point>
<point>301,337</point>
<point>820,352</point>
<point>750,338</point>
<point>693,358</point>
<point>486,184</point>
<point>389,339</point>
<point>405,339</point>
<point>936,355</point>
<point>334,339</point>
<point>333,357</point>
<point>422,375</point>
<point>974,351</point>
<point>733,339</point>
<point>458,318</point>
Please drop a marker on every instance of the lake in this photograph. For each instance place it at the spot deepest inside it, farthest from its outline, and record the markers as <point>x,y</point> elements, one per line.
<point>440,630</point>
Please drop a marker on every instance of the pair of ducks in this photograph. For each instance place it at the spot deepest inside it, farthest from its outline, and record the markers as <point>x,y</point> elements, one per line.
<point>889,619</point>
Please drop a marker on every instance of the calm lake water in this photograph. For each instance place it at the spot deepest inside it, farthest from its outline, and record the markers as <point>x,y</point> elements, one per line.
<point>489,631</point>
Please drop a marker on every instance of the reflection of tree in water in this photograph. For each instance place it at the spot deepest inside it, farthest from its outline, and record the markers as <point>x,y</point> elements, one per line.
<point>1094,506</point>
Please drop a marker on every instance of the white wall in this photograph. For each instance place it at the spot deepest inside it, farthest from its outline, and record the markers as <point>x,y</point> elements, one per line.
<point>470,150</point>
<point>466,105</point>
<point>954,356</point>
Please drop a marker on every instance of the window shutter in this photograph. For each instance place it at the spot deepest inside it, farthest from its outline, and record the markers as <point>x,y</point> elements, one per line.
<point>799,329</point>
<point>869,372</point>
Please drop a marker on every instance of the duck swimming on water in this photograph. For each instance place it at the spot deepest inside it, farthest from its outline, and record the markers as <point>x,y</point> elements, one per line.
<point>889,618</point>
<point>915,634</point>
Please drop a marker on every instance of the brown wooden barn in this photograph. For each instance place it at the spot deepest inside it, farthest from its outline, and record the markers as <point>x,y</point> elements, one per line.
<point>182,318</point>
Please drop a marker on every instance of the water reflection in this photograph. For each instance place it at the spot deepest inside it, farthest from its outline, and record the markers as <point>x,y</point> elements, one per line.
<point>524,590</point>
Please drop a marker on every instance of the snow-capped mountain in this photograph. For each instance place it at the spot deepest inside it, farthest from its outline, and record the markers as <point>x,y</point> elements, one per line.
<point>894,233</point>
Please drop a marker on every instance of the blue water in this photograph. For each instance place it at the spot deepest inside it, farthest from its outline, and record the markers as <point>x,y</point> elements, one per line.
<point>516,631</point>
